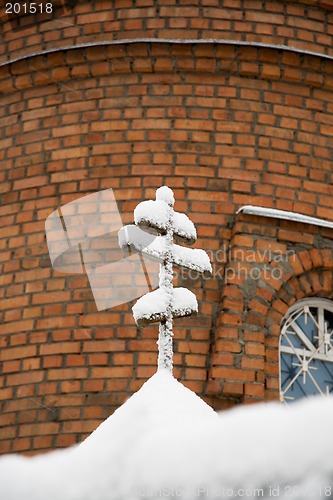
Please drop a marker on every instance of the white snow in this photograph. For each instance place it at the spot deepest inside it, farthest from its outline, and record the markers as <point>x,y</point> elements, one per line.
<point>153,305</point>
<point>283,214</point>
<point>184,228</point>
<point>184,299</point>
<point>192,258</point>
<point>164,193</point>
<point>152,213</point>
<point>140,240</point>
<point>154,246</point>
<point>149,304</point>
<point>155,214</point>
<point>165,439</point>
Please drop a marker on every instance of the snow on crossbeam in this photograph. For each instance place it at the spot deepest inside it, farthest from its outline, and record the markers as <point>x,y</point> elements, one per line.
<point>154,215</point>
<point>192,258</point>
<point>152,307</point>
<point>154,247</point>
<point>136,239</point>
<point>184,229</point>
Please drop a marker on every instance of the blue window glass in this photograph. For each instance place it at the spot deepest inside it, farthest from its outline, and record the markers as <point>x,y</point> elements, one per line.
<point>306,350</point>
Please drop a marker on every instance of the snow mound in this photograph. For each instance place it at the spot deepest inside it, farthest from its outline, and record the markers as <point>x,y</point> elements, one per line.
<point>103,466</point>
<point>152,306</point>
<point>165,442</point>
<point>164,193</point>
<point>160,401</point>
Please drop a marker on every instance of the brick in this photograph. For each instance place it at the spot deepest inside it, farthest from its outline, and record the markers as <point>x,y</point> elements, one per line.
<point>258,306</point>
<point>68,373</point>
<point>296,264</point>
<point>16,326</point>
<point>316,257</point>
<point>305,259</point>
<point>295,236</point>
<point>52,362</point>
<point>11,366</point>
<point>59,335</point>
<point>254,390</point>
<point>255,349</point>
<point>233,388</point>
<point>42,442</point>
<point>222,359</point>
<point>327,257</point>
<point>70,386</point>
<point>14,302</point>
<point>103,359</point>
<point>25,378</point>
<point>71,130</point>
<point>253,363</point>
<point>69,153</point>
<point>233,374</point>
<point>39,429</point>
<point>270,71</point>
<point>243,241</point>
<point>58,322</point>
<point>21,445</point>
<point>75,360</point>
<point>112,372</point>
<point>60,348</point>
<point>18,352</point>
<point>93,385</point>
<point>315,282</point>
<point>195,374</point>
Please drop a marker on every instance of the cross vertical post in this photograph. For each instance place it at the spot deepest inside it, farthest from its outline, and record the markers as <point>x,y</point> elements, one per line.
<point>159,224</point>
<point>165,348</point>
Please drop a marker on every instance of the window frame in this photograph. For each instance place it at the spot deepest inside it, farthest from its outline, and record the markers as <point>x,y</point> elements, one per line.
<point>322,305</point>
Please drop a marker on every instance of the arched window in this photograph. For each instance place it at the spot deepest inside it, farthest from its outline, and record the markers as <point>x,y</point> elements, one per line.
<point>306,350</point>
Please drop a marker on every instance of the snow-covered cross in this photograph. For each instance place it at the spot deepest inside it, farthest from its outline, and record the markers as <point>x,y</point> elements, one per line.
<point>166,302</point>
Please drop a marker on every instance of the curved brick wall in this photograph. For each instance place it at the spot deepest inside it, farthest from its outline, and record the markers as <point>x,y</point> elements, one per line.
<point>224,126</point>
<point>306,25</point>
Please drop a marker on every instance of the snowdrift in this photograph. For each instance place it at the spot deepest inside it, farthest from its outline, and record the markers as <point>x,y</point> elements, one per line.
<point>165,442</point>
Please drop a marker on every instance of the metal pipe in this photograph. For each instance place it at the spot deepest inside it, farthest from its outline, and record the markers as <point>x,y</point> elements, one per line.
<point>174,41</point>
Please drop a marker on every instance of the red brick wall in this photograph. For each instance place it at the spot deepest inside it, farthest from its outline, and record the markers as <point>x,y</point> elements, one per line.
<point>302,24</point>
<point>223,126</point>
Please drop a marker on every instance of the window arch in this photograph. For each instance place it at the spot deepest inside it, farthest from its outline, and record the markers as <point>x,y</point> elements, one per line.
<point>306,350</point>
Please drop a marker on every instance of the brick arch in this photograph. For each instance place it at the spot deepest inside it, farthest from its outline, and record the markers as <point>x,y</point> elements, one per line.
<point>291,280</point>
<point>314,282</point>
<point>245,363</point>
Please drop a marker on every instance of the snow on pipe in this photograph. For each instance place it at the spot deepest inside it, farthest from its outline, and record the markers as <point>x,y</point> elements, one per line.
<point>284,214</point>
<point>167,302</point>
